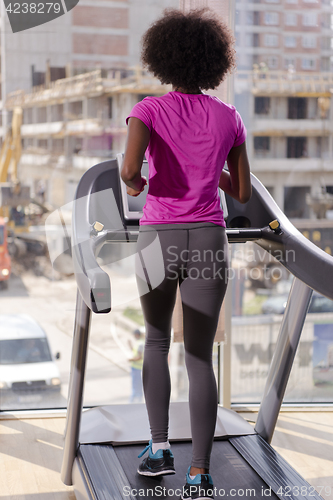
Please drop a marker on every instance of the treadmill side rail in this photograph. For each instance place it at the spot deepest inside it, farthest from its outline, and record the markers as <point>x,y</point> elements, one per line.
<point>284,481</point>
<point>75,399</point>
<point>283,358</point>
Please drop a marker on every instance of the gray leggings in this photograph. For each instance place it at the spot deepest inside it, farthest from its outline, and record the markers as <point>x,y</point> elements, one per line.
<point>195,256</point>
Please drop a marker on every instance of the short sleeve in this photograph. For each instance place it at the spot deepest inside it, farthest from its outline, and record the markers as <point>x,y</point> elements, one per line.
<point>241,130</point>
<point>143,112</point>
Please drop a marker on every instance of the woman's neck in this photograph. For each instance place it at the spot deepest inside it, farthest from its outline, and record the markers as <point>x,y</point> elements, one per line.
<point>186,91</point>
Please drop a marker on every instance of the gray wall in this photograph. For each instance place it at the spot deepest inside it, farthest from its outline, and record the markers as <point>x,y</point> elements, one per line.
<point>33,47</point>
<point>141,15</point>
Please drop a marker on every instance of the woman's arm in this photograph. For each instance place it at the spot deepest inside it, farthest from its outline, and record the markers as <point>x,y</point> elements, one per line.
<point>237,182</point>
<point>138,136</point>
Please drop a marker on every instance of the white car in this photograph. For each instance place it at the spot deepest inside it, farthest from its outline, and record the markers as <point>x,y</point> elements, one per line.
<point>27,367</point>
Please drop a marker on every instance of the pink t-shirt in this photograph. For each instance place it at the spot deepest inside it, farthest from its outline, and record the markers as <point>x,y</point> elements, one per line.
<point>190,138</point>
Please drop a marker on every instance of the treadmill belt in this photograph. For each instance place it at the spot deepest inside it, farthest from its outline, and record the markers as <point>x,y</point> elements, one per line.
<point>113,473</point>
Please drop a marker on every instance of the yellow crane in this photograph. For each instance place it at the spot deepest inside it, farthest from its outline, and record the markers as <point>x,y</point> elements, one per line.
<point>12,193</point>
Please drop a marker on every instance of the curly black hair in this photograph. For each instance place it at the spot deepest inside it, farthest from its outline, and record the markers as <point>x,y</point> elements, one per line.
<point>189,50</point>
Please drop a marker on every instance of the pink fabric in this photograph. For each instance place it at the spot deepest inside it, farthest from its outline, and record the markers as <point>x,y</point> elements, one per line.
<point>191,136</point>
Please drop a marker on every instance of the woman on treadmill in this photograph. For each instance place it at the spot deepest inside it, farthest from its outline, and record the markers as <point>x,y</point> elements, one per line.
<point>187,137</point>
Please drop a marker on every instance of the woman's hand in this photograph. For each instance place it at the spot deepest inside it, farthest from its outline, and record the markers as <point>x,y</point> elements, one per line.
<point>134,192</point>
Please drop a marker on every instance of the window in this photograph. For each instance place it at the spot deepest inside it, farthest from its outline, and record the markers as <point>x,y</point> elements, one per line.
<point>253,17</point>
<point>262,105</point>
<point>252,40</point>
<point>297,107</point>
<point>41,115</point>
<point>42,143</point>
<point>58,146</point>
<point>326,21</point>
<point>255,59</point>
<point>272,62</point>
<point>308,63</point>
<point>310,19</point>
<point>75,110</point>
<point>27,115</point>
<point>309,42</point>
<point>20,351</point>
<point>271,18</point>
<point>291,19</point>
<point>261,144</point>
<point>296,147</point>
<point>289,63</point>
<point>271,40</point>
<point>325,64</point>
<point>249,17</point>
<point>110,107</point>
<point>295,201</point>
<point>77,145</point>
<point>256,40</point>
<point>28,143</point>
<point>326,43</point>
<point>290,42</point>
<point>57,113</point>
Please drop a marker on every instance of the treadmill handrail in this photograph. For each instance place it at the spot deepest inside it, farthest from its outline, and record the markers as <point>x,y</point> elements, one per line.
<point>290,247</point>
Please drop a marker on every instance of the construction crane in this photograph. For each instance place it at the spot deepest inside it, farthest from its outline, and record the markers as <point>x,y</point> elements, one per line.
<point>14,196</point>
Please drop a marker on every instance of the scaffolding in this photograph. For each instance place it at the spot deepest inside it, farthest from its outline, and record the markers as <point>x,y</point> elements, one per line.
<point>91,84</point>
<point>299,84</point>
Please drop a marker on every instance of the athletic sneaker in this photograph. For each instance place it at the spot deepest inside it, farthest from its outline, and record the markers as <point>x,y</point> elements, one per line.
<point>160,463</point>
<point>199,488</point>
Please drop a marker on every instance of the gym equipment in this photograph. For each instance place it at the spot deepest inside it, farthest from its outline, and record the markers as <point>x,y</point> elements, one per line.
<point>102,444</point>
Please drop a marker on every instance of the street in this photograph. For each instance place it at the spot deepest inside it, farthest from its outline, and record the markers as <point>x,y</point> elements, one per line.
<point>52,305</point>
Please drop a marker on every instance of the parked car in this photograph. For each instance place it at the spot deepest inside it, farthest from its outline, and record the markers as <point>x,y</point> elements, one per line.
<point>277,304</point>
<point>28,370</point>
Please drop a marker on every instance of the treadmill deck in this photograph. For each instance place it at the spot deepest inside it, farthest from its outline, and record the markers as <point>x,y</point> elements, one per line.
<point>113,473</point>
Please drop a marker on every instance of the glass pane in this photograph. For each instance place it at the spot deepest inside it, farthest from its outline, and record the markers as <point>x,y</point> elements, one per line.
<point>260,288</point>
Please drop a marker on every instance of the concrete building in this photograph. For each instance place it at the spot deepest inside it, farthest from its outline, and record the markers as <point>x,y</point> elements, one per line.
<point>94,34</point>
<point>73,124</point>
<point>283,91</point>
<point>290,134</point>
<point>284,34</point>
<point>65,75</point>
<point>70,123</point>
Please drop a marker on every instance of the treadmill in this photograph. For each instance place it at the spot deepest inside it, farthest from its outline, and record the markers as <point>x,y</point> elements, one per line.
<point>102,444</point>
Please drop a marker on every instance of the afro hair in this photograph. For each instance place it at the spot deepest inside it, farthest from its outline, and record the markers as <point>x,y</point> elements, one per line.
<point>189,50</point>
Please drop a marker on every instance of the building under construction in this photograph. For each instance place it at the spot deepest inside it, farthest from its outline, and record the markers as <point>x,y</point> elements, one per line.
<point>72,124</point>
<point>290,136</point>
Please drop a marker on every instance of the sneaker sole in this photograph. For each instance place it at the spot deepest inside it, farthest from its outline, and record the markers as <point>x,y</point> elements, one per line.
<point>161,473</point>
